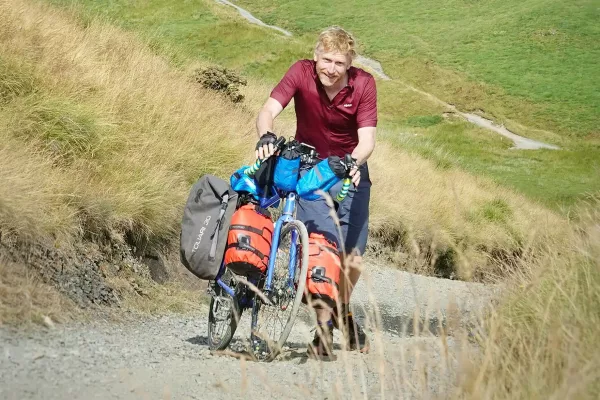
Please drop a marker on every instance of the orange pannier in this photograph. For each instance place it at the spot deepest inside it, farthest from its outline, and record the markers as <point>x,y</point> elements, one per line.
<point>249,241</point>
<point>324,268</point>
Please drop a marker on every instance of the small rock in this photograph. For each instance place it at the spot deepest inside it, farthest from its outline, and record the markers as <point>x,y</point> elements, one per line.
<point>48,322</point>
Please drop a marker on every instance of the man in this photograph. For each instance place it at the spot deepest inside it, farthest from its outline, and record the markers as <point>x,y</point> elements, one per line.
<point>336,111</point>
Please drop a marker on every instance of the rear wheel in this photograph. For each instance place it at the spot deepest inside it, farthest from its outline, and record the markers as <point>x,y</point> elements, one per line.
<point>272,321</point>
<point>223,315</point>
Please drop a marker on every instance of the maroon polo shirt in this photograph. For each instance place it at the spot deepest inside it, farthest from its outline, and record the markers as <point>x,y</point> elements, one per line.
<point>330,126</point>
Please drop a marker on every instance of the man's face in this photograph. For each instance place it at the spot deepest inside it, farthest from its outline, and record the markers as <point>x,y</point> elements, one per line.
<point>331,67</point>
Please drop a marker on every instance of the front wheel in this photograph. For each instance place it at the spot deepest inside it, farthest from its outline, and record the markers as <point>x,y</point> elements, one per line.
<point>223,315</point>
<point>272,321</point>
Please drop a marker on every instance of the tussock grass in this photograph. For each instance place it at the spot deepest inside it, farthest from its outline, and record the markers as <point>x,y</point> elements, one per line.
<point>141,295</point>
<point>450,223</point>
<point>15,80</point>
<point>25,299</point>
<point>541,342</point>
<point>98,127</point>
<point>63,129</point>
<point>33,204</point>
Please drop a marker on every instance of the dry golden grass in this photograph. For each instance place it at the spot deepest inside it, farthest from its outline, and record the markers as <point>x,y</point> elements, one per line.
<point>109,138</point>
<point>541,342</point>
<point>31,204</point>
<point>430,212</point>
<point>144,296</point>
<point>140,294</point>
<point>25,299</point>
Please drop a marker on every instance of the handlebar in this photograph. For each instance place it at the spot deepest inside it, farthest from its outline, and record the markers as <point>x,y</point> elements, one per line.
<point>349,163</point>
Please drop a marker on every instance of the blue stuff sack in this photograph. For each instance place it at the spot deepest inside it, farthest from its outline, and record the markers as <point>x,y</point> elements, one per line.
<point>286,173</point>
<point>287,168</point>
<point>241,182</point>
<point>320,177</point>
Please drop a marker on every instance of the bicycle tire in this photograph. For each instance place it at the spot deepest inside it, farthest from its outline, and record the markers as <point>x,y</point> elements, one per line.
<point>233,317</point>
<point>300,279</point>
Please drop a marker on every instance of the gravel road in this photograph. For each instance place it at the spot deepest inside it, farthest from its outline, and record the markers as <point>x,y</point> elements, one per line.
<point>167,357</point>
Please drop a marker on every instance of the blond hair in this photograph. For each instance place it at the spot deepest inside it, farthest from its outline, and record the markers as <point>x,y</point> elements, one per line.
<point>336,39</point>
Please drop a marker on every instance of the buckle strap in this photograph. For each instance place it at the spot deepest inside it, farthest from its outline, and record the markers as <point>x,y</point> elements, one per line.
<point>243,246</point>
<point>215,236</point>
<point>248,228</point>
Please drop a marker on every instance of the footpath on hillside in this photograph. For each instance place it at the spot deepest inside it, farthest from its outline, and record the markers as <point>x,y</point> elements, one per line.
<point>168,357</point>
<point>374,66</point>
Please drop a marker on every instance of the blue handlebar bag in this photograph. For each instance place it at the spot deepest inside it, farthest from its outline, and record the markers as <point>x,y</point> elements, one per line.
<point>286,173</point>
<point>287,169</point>
<point>319,177</point>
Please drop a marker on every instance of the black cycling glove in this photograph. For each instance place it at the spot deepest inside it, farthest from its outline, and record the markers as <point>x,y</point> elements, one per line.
<point>340,166</point>
<point>265,139</point>
<point>337,166</point>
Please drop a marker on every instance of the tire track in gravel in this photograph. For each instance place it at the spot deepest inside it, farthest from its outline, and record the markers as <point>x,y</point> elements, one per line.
<point>167,356</point>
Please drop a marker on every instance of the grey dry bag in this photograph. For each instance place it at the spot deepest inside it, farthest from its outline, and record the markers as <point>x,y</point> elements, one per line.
<point>206,220</point>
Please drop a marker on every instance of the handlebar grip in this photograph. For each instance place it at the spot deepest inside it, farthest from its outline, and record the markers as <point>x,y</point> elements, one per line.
<point>251,170</point>
<point>344,190</point>
<point>349,162</point>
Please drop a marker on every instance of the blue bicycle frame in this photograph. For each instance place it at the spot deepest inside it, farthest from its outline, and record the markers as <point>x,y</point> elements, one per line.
<point>287,216</point>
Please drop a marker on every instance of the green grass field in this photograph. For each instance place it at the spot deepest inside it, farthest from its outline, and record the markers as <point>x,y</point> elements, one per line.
<point>529,65</point>
<point>539,51</point>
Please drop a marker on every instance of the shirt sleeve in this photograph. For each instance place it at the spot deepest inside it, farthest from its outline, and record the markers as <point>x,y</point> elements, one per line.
<point>366,114</point>
<point>287,87</point>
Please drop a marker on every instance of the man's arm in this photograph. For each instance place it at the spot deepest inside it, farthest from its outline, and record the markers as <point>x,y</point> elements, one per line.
<point>366,118</point>
<point>280,97</point>
<point>270,110</point>
<point>362,151</point>
<point>366,144</point>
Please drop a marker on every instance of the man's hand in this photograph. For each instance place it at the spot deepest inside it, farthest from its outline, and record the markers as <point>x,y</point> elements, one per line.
<point>355,175</point>
<point>265,147</point>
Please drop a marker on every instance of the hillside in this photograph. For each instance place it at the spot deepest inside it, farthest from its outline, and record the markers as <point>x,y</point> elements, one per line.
<point>105,139</point>
<point>104,127</point>
<point>539,85</point>
<point>535,60</point>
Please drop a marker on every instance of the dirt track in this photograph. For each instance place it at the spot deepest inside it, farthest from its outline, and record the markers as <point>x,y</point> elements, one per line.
<point>167,357</point>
